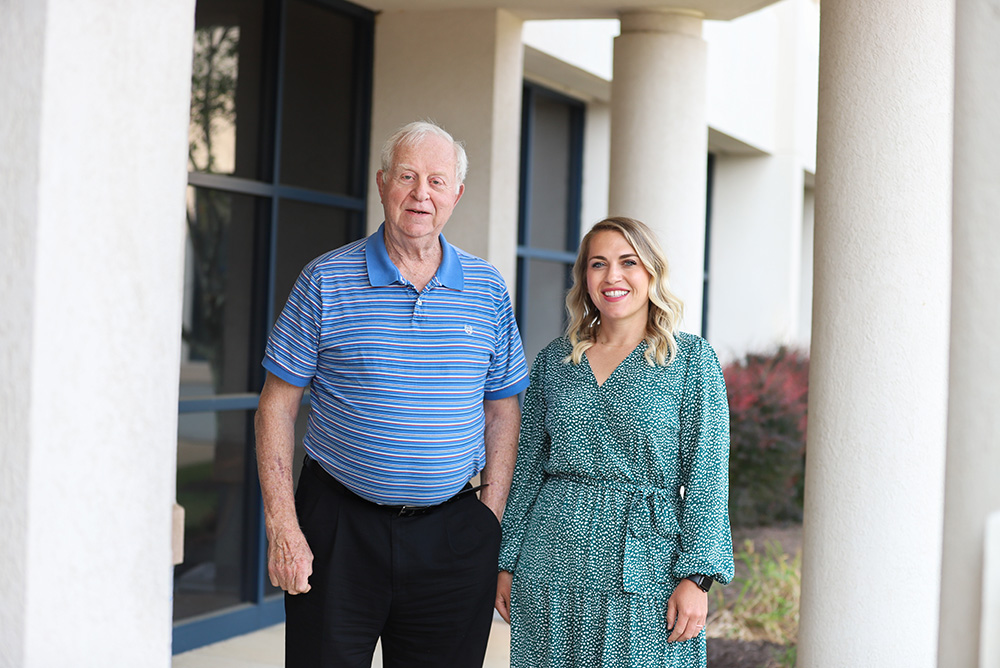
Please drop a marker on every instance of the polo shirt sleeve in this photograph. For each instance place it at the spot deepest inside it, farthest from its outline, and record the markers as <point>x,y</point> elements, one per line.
<point>291,351</point>
<point>508,373</point>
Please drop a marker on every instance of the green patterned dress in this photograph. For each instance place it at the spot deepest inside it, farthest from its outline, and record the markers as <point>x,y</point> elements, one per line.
<point>597,531</point>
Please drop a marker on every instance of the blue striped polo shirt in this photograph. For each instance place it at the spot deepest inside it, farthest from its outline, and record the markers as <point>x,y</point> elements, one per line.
<point>397,378</point>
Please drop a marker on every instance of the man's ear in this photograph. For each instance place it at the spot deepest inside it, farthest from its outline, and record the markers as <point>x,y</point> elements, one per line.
<point>379,182</point>
<point>461,190</point>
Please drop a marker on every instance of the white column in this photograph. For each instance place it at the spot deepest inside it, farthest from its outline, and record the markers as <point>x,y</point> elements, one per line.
<point>879,367</point>
<point>93,143</point>
<point>659,140</point>
<point>468,78</point>
<point>973,469</point>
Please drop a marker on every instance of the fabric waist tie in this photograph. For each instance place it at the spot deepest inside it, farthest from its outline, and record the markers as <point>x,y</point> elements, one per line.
<point>650,523</point>
<point>399,511</point>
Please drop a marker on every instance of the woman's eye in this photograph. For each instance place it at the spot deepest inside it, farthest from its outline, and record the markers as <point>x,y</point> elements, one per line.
<point>596,265</point>
<point>629,263</point>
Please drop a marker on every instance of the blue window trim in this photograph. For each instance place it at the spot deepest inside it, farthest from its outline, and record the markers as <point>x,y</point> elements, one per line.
<point>223,402</point>
<point>246,618</point>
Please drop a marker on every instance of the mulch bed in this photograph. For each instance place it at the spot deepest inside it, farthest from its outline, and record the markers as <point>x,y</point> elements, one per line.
<point>723,653</point>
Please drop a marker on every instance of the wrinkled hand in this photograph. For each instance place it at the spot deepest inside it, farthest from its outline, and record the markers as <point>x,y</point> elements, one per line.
<point>289,561</point>
<point>504,578</point>
<point>687,610</point>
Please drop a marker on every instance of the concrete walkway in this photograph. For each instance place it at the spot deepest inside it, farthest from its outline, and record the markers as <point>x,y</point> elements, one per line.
<point>266,649</point>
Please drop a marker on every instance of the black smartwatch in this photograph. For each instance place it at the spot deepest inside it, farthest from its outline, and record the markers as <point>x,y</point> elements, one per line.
<point>703,581</point>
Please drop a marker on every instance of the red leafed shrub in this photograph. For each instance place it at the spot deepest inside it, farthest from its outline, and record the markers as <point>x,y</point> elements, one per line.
<point>767,419</point>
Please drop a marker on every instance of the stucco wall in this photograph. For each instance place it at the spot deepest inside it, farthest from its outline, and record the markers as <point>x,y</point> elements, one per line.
<point>92,239</point>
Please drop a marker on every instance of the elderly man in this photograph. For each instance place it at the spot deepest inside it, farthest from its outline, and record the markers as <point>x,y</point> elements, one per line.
<point>413,360</point>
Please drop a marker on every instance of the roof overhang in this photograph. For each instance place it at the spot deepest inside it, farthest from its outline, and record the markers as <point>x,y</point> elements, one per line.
<point>721,10</point>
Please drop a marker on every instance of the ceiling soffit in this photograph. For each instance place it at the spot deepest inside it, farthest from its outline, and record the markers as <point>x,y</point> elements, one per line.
<point>722,10</point>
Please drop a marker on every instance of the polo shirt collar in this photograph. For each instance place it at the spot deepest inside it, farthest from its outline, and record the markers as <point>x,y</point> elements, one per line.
<point>381,270</point>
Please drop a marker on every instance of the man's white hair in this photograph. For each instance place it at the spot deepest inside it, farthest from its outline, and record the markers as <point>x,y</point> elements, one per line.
<point>413,133</point>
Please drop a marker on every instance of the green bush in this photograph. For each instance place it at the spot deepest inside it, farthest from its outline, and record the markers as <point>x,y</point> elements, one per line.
<point>767,420</point>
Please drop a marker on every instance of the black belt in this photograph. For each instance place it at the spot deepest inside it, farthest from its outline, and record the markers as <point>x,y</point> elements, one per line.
<point>398,511</point>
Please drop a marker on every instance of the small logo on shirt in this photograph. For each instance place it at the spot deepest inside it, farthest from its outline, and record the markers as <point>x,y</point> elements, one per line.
<point>468,329</point>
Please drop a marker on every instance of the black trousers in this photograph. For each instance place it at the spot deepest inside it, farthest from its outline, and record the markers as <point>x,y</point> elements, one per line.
<point>425,584</point>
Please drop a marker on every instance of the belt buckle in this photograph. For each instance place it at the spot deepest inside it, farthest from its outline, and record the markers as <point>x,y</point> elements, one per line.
<point>410,511</point>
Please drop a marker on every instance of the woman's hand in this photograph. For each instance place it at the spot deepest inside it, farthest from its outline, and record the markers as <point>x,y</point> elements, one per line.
<point>504,578</point>
<point>687,610</point>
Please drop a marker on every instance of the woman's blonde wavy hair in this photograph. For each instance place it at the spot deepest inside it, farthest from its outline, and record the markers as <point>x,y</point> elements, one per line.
<point>665,309</point>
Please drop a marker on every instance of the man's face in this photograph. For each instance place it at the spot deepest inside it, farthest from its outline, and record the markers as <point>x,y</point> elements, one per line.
<point>419,192</point>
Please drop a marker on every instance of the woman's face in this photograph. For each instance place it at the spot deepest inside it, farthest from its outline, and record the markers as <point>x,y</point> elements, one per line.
<point>617,282</point>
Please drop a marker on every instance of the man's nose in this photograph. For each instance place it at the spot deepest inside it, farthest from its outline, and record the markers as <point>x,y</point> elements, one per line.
<point>420,191</point>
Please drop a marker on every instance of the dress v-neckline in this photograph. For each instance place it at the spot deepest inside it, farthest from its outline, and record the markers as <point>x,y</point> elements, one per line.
<point>614,371</point>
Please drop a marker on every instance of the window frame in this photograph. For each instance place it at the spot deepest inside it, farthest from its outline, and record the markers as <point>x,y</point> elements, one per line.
<point>261,608</point>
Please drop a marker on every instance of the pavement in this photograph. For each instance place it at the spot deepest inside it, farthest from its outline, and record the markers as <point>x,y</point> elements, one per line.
<point>266,649</point>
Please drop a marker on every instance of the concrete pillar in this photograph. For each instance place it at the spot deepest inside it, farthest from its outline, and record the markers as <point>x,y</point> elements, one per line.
<point>93,147</point>
<point>659,140</point>
<point>973,468</point>
<point>879,366</point>
<point>468,78</point>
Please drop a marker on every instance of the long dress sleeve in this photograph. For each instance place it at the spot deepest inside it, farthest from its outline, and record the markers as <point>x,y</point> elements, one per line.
<point>706,538</point>
<point>529,472</point>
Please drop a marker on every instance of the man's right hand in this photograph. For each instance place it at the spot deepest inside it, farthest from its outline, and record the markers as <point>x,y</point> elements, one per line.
<point>289,561</point>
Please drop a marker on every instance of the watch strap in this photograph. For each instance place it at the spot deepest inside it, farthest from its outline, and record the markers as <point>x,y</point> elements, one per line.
<point>704,582</point>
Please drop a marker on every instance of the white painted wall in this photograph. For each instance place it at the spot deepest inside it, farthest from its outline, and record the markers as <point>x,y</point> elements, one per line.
<point>760,284</point>
<point>468,78</point>
<point>585,44</point>
<point>970,620</point>
<point>801,23</point>
<point>755,256</point>
<point>743,63</point>
<point>91,204</point>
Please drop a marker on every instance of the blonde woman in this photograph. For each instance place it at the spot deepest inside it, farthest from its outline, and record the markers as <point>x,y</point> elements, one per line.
<point>617,520</point>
